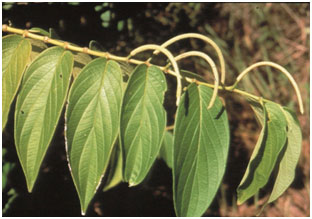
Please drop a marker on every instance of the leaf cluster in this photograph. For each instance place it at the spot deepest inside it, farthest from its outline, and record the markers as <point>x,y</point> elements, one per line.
<point>115,122</point>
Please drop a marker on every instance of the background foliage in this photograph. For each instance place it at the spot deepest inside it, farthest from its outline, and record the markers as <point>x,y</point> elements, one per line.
<point>246,33</point>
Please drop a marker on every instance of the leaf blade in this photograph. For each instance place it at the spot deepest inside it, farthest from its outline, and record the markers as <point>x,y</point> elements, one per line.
<point>114,176</point>
<point>264,157</point>
<point>288,163</point>
<point>199,159</point>
<point>15,54</point>
<point>142,122</point>
<point>91,128</point>
<point>38,108</point>
<point>166,150</point>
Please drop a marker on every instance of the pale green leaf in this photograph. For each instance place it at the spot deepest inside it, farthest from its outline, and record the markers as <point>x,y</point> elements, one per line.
<point>40,31</point>
<point>92,125</point>
<point>39,106</point>
<point>105,16</point>
<point>201,143</point>
<point>166,150</point>
<point>270,143</point>
<point>143,121</point>
<point>287,166</point>
<point>15,55</point>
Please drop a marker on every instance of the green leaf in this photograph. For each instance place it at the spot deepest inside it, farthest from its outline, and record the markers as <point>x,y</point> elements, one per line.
<point>143,121</point>
<point>263,159</point>
<point>81,59</point>
<point>92,125</point>
<point>94,45</point>
<point>39,106</point>
<point>15,54</point>
<point>40,31</point>
<point>7,5</point>
<point>258,110</point>
<point>201,143</point>
<point>105,16</point>
<point>126,67</point>
<point>53,34</point>
<point>37,47</point>
<point>190,74</point>
<point>114,176</point>
<point>120,25</point>
<point>166,150</point>
<point>98,7</point>
<point>7,167</point>
<point>287,166</point>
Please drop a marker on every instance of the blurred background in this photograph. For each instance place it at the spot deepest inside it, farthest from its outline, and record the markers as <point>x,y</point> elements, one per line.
<point>245,32</point>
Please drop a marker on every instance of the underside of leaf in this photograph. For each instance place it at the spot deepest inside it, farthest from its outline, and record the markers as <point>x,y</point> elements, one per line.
<point>201,142</point>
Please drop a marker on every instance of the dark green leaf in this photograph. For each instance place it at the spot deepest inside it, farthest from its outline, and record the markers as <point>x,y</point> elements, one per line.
<point>37,47</point>
<point>92,125</point>
<point>190,74</point>
<point>166,150</point>
<point>114,176</point>
<point>15,55</point>
<point>96,46</point>
<point>53,34</point>
<point>39,106</point>
<point>143,121</point>
<point>81,59</point>
<point>120,25</point>
<point>201,143</point>
<point>263,159</point>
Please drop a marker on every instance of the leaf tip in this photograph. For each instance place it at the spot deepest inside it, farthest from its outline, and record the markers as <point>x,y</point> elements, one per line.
<point>29,189</point>
<point>239,201</point>
<point>131,183</point>
<point>30,185</point>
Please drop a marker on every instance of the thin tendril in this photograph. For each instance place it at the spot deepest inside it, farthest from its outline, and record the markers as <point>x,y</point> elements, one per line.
<point>214,70</point>
<point>283,70</point>
<point>204,38</point>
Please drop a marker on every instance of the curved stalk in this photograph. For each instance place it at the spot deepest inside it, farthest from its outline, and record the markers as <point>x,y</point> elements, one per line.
<point>214,70</point>
<point>170,57</point>
<point>282,69</point>
<point>204,38</point>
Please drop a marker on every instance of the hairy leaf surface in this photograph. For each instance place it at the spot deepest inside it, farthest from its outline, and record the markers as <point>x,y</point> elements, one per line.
<point>271,141</point>
<point>166,150</point>
<point>287,166</point>
<point>15,54</point>
<point>92,123</point>
<point>201,143</point>
<point>38,107</point>
<point>143,121</point>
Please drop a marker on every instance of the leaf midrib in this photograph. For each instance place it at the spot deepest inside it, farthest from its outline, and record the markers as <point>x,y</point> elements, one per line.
<point>140,124</point>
